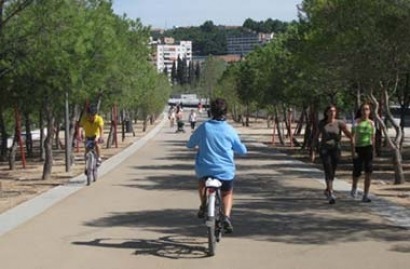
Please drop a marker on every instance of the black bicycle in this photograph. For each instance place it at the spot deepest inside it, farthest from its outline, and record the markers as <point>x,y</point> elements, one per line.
<point>214,213</point>
<point>91,167</point>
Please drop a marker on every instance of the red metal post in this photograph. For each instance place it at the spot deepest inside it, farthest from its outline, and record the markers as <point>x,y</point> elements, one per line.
<point>290,119</point>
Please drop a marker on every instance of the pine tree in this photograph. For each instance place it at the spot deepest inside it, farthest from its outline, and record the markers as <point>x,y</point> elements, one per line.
<point>174,78</point>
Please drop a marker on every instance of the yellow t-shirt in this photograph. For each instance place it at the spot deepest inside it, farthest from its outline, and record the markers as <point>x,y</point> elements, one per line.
<point>92,129</point>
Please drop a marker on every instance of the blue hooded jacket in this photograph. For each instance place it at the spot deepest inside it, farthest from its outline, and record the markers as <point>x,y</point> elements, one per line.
<point>217,141</point>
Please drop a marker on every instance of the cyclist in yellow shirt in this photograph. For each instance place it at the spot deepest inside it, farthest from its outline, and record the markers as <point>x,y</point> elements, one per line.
<point>93,127</point>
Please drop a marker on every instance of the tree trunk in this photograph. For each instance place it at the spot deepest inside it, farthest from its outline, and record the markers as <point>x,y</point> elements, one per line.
<point>247,116</point>
<point>279,129</point>
<point>48,143</point>
<point>299,126</point>
<point>398,167</point>
<point>12,155</point>
<point>145,122</point>
<point>403,113</point>
<point>313,128</point>
<point>136,113</point>
<point>234,113</point>
<point>379,135</point>
<point>42,136</point>
<point>307,136</point>
<point>75,117</point>
<point>29,138</point>
<point>4,136</point>
<point>397,156</point>
<point>257,115</point>
<point>110,139</point>
<point>269,121</point>
<point>57,141</point>
<point>110,136</point>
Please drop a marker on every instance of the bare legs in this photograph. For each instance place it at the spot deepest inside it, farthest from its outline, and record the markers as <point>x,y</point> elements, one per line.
<point>201,191</point>
<point>227,199</point>
<point>367,183</point>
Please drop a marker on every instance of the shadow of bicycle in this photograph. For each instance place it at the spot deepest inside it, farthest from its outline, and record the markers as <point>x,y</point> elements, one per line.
<point>171,247</point>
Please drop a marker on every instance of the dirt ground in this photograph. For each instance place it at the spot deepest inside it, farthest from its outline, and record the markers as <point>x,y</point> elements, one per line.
<point>24,184</point>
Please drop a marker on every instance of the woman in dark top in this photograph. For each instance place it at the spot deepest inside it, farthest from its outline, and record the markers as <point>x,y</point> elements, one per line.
<point>330,132</point>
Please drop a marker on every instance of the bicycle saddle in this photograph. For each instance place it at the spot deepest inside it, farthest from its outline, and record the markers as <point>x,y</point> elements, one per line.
<point>213,183</point>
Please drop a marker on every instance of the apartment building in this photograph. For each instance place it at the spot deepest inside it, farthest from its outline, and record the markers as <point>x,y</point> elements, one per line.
<point>166,51</point>
<point>246,43</point>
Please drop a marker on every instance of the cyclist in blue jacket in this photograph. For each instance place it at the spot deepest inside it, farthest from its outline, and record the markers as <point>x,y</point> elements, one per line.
<point>217,141</point>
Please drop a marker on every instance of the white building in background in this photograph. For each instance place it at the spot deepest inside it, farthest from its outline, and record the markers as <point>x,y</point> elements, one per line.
<point>165,52</point>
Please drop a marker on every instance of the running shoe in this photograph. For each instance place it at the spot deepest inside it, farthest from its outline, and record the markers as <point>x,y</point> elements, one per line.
<point>353,193</point>
<point>201,212</point>
<point>366,199</point>
<point>332,199</point>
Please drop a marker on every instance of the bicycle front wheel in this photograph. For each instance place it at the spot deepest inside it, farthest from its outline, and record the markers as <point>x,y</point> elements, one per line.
<point>89,166</point>
<point>95,174</point>
<point>218,217</point>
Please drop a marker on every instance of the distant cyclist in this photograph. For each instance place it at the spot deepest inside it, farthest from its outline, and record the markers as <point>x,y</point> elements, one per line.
<point>93,127</point>
<point>217,141</point>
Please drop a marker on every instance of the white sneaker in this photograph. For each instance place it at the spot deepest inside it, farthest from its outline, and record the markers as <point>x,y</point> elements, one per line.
<point>332,199</point>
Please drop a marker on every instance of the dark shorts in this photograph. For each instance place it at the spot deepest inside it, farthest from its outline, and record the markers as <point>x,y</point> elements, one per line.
<point>227,185</point>
<point>364,160</point>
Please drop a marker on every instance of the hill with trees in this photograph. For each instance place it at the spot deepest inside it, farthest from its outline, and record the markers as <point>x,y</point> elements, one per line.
<point>210,39</point>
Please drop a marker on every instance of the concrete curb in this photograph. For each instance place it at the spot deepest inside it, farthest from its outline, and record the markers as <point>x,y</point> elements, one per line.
<point>31,208</point>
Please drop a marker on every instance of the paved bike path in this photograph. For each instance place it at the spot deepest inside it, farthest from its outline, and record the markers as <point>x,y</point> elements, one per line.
<point>142,215</point>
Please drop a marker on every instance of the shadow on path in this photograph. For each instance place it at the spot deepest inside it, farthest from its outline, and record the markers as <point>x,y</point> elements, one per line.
<point>170,247</point>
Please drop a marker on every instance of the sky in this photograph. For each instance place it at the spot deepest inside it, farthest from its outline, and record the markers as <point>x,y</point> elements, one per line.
<point>173,13</point>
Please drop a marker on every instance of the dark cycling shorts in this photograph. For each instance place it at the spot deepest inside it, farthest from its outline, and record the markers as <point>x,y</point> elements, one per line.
<point>364,159</point>
<point>227,185</point>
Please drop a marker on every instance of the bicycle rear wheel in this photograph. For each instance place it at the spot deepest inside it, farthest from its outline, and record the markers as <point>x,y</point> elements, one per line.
<point>218,217</point>
<point>211,240</point>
